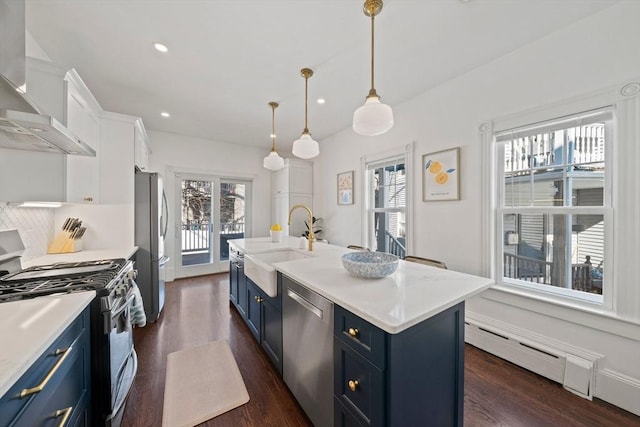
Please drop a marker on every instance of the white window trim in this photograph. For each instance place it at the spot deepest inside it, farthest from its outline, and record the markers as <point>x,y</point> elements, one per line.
<point>405,152</point>
<point>218,265</point>
<point>620,314</point>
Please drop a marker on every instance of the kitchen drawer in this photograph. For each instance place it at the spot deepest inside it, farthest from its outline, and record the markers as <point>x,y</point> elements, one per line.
<point>360,335</point>
<point>342,417</point>
<point>67,387</point>
<point>358,384</point>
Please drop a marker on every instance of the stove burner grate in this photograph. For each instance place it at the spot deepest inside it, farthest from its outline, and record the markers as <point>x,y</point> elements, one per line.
<point>59,278</point>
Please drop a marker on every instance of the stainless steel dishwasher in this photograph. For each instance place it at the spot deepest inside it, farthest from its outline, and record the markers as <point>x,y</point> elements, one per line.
<point>307,341</point>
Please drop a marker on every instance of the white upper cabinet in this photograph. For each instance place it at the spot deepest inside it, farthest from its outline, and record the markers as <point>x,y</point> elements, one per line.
<point>295,177</point>
<point>291,185</point>
<point>141,147</point>
<point>65,96</point>
<point>82,112</point>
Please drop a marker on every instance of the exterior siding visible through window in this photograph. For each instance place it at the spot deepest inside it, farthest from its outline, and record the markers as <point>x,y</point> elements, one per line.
<point>552,203</point>
<point>386,207</point>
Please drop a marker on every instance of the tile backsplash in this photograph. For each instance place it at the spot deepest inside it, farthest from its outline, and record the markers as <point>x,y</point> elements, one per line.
<point>35,225</point>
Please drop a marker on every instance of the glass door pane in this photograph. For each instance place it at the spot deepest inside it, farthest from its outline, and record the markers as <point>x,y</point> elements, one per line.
<point>196,222</point>
<point>232,214</point>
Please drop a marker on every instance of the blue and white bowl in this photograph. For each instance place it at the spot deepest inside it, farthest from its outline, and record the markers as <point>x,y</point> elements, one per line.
<point>369,265</point>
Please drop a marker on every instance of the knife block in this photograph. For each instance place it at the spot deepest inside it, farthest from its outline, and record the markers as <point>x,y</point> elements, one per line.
<point>63,243</point>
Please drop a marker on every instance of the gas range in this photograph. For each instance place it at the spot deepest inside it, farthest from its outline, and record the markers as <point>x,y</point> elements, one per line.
<point>32,282</point>
<point>113,357</point>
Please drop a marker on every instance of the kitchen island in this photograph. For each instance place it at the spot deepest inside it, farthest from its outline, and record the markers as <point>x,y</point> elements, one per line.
<point>398,342</point>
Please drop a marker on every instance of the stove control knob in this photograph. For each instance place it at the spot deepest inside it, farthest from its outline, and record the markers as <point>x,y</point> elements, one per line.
<point>133,274</point>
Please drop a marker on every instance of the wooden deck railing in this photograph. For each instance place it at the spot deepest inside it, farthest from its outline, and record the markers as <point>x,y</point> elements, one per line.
<point>527,269</point>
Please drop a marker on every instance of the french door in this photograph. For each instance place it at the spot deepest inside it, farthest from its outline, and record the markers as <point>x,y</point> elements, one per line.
<point>210,210</point>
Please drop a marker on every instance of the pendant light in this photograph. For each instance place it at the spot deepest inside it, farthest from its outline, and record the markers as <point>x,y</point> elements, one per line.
<point>305,147</point>
<point>273,161</point>
<point>374,117</point>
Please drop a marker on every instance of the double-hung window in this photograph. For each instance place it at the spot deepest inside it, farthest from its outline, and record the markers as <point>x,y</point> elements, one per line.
<point>386,205</point>
<point>553,205</point>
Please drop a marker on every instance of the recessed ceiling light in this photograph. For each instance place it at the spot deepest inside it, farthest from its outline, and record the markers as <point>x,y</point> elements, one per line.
<point>160,47</point>
<point>165,114</point>
<point>321,101</point>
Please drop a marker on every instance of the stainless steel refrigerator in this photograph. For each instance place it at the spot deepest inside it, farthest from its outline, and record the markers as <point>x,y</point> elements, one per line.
<point>151,215</point>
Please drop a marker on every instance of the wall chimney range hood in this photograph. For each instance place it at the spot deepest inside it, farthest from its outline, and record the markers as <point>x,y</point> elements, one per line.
<point>22,126</point>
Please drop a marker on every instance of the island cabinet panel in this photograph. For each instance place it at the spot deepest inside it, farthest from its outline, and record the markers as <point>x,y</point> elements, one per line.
<point>264,318</point>
<point>254,315</point>
<point>237,282</point>
<point>272,333</point>
<point>64,370</point>
<point>415,377</point>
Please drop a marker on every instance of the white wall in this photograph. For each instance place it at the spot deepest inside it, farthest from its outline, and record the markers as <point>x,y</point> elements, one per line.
<point>172,153</point>
<point>592,54</point>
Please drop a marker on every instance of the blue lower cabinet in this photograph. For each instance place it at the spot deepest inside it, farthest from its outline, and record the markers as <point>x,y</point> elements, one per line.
<point>237,283</point>
<point>413,378</point>
<point>272,333</point>
<point>358,384</point>
<point>254,315</point>
<point>64,371</point>
<point>264,318</point>
<point>344,418</point>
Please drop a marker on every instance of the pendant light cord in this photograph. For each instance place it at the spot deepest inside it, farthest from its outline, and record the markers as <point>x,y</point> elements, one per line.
<point>273,128</point>
<point>372,92</point>
<point>306,103</point>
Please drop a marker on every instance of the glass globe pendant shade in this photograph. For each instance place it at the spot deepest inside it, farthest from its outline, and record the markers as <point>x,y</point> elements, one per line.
<point>305,147</point>
<point>273,161</point>
<point>373,118</point>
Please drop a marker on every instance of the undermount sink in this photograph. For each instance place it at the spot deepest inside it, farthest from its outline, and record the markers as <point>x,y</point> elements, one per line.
<point>259,268</point>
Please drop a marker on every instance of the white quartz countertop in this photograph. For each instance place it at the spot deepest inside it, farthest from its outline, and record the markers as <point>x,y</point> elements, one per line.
<point>258,245</point>
<point>415,292</point>
<point>29,327</point>
<point>86,255</point>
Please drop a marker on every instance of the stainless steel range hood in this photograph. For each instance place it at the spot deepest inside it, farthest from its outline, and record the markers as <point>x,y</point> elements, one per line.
<point>22,126</point>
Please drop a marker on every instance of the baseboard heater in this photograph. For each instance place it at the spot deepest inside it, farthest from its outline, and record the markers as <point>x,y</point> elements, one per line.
<point>574,372</point>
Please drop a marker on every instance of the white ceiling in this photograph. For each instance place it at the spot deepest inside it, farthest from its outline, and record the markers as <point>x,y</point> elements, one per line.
<point>228,58</point>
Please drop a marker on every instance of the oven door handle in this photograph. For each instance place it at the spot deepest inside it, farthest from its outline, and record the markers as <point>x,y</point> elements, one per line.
<point>127,303</point>
<point>111,316</point>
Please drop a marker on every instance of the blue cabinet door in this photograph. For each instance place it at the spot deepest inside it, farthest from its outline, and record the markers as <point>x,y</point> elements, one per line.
<point>272,333</point>
<point>253,309</point>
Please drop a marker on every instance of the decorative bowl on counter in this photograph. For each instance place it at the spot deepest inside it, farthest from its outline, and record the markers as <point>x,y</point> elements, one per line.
<point>369,265</point>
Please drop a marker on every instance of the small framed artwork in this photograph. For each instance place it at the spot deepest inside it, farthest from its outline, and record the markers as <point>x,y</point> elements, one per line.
<point>441,175</point>
<point>345,188</point>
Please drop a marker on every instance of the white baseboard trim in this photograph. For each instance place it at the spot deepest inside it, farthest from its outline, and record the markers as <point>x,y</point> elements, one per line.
<point>619,390</point>
<point>554,360</point>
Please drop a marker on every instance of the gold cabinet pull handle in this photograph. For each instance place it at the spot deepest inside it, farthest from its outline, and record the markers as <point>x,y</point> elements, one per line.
<point>66,413</point>
<point>37,389</point>
<point>353,385</point>
<point>353,332</point>
<point>258,298</point>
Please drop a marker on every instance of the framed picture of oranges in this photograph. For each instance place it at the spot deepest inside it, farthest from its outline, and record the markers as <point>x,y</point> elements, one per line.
<point>441,175</point>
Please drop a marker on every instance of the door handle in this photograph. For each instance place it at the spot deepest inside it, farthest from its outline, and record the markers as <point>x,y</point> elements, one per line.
<point>65,415</point>
<point>303,302</point>
<point>37,389</point>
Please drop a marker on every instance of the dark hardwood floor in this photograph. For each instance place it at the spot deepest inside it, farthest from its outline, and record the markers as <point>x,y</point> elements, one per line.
<point>197,310</point>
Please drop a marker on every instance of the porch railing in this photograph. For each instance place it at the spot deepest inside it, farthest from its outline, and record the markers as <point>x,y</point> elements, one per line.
<point>196,236</point>
<point>394,246</point>
<point>527,269</point>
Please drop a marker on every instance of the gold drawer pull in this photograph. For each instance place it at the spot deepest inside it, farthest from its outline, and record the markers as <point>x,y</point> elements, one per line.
<point>354,332</point>
<point>66,413</point>
<point>37,389</point>
<point>353,385</point>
